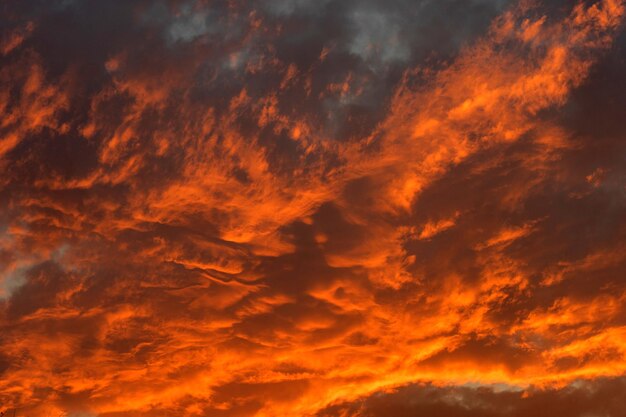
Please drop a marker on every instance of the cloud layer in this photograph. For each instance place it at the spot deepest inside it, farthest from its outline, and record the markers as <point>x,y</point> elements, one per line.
<point>331,208</point>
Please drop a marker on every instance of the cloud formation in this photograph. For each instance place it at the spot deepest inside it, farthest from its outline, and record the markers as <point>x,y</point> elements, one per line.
<point>333,208</point>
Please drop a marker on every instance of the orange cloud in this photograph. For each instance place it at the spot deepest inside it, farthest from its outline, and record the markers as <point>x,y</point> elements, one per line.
<point>184,234</point>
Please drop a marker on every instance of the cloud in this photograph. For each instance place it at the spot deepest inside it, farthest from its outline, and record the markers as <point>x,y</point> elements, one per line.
<point>582,399</point>
<point>331,208</point>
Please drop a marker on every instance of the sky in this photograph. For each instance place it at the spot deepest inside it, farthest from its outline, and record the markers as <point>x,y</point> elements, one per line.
<point>312,208</point>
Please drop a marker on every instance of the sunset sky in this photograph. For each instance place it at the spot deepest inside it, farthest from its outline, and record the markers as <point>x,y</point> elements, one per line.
<point>313,208</point>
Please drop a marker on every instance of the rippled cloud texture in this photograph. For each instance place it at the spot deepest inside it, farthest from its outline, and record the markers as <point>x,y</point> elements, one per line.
<point>312,208</point>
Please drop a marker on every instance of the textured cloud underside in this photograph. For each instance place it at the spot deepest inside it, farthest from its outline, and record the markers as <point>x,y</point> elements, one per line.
<point>300,208</point>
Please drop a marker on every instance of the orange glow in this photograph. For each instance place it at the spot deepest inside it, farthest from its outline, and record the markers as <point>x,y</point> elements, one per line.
<point>208,223</point>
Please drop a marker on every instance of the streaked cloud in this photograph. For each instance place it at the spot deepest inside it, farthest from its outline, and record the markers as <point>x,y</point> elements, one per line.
<point>312,208</point>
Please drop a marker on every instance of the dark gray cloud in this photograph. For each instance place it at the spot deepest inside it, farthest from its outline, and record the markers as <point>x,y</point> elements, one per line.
<point>584,398</point>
